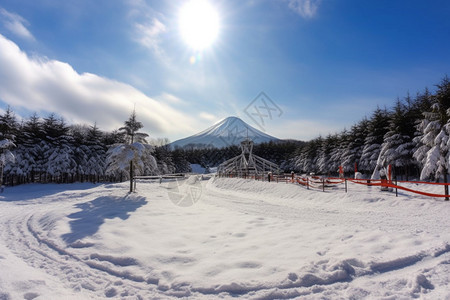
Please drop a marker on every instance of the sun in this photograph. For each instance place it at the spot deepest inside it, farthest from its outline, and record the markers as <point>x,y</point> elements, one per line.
<point>199,24</point>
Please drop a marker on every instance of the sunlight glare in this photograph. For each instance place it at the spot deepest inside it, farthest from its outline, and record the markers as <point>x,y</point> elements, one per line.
<point>199,24</point>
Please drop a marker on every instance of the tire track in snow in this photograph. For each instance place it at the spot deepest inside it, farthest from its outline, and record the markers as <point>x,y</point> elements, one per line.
<point>40,254</point>
<point>23,236</point>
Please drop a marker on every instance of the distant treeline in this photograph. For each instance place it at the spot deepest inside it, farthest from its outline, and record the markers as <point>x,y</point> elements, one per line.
<point>412,136</point>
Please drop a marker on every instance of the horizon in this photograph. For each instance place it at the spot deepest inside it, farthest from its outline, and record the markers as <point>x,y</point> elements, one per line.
<point>294,69</point>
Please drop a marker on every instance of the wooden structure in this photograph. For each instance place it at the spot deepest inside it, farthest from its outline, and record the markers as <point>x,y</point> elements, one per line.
<point>247,164</point>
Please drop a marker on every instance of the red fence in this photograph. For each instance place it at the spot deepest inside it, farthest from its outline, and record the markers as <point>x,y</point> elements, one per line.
<point>323,183</point>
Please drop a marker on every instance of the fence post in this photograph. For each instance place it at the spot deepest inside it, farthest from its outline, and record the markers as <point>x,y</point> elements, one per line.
<point>346,183</point>
<point>396,190</point>
<point>307,183</point>
<point>323,184</point>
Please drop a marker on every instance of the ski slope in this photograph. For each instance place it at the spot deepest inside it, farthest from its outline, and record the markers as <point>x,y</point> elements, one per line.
<point>240,238</point>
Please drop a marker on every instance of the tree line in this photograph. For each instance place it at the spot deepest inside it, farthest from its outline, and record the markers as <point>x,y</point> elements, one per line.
<point>412,137</point>
<point>49,150</point>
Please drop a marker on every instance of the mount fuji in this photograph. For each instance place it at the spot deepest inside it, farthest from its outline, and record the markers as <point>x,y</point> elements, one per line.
<point>229,131</point>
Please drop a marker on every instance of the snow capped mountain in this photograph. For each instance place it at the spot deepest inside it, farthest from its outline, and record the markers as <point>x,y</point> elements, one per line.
<point>229,131</point>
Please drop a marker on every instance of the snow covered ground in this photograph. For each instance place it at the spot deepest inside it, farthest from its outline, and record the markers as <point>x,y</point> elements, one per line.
<point>242,238</point>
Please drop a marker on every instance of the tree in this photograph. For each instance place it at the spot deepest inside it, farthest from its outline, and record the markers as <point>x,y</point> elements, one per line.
<point>134,153</point>
<point>8,125</point>
<point>372,143</point>
<point>422,104</point>
<point>59,153</point>
<point>306,161</point>
<point>435,136</point>
<point>8,128</point>
<point>337,155</point>
<point>397,146</point>
<point>96,164</point>
<point>352,153</point>
<point>326,148</point>
<point>5,156</point>
<point>30,150</point>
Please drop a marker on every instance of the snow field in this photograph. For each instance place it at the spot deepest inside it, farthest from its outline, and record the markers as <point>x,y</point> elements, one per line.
<point>242,238</point>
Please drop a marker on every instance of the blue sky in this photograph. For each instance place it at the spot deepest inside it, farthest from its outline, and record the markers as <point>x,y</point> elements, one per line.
<point>324,64</point>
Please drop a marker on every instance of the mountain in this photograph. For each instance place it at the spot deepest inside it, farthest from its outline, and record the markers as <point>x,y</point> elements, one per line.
<point>229,131</point>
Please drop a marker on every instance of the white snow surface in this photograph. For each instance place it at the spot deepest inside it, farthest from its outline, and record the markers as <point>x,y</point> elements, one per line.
<point>246,239</point>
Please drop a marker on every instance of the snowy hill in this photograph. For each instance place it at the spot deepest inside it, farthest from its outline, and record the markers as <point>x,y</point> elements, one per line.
<point>229,131</point>
<point>241,239</point>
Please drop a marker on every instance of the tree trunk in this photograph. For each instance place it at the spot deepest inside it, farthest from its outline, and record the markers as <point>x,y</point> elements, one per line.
<point>445,182</point>
<point>131,176</point>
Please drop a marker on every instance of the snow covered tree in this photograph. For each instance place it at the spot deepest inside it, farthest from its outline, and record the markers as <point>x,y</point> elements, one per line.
<point>135,157</point>
<point>352,153</point>
<point>397,146</point>
<point>8,129</point>
<point>164,158</point>
<point>180,162</point>
<point>324,156</point>
<point>58,151</point>
<point>134,153</point>
<point>8,125</point>
<point>436,128</point>
<point>307,159</point>
<point>377,128</point>
<point>96,157</point>
<point>28,150</point>
<point>81,150</point>
<point>423,104</point>
<point>338,151</point>
<point>5,156</point>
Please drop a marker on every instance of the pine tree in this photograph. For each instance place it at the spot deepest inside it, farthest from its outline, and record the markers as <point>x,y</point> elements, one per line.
<point>136,153</point>
<point>8,125</point>
<point>8,129</point>
<point>59,152</point>
<point>180,162</point>
<point>422,105</point>
<point>352,154</point>
<point>436,135</point>
<point>397,146</point>
<point>28,149</point>
<point>377,128</point>
<point>326,148</point>
<point>337,155</point>
<point>96,158</point>
<point>307,159</point>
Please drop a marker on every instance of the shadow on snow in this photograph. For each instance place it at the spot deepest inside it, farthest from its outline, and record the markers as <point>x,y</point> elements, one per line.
<point>93,214</point>
<point>33,191</point>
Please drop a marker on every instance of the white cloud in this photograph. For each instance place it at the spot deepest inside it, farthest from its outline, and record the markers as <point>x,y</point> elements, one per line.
<point>42,85</point>
<point>15,24</point>
<point>149,35</point>
<point>207,116</point>
<point>171,99</point>
<point>305,8</point>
